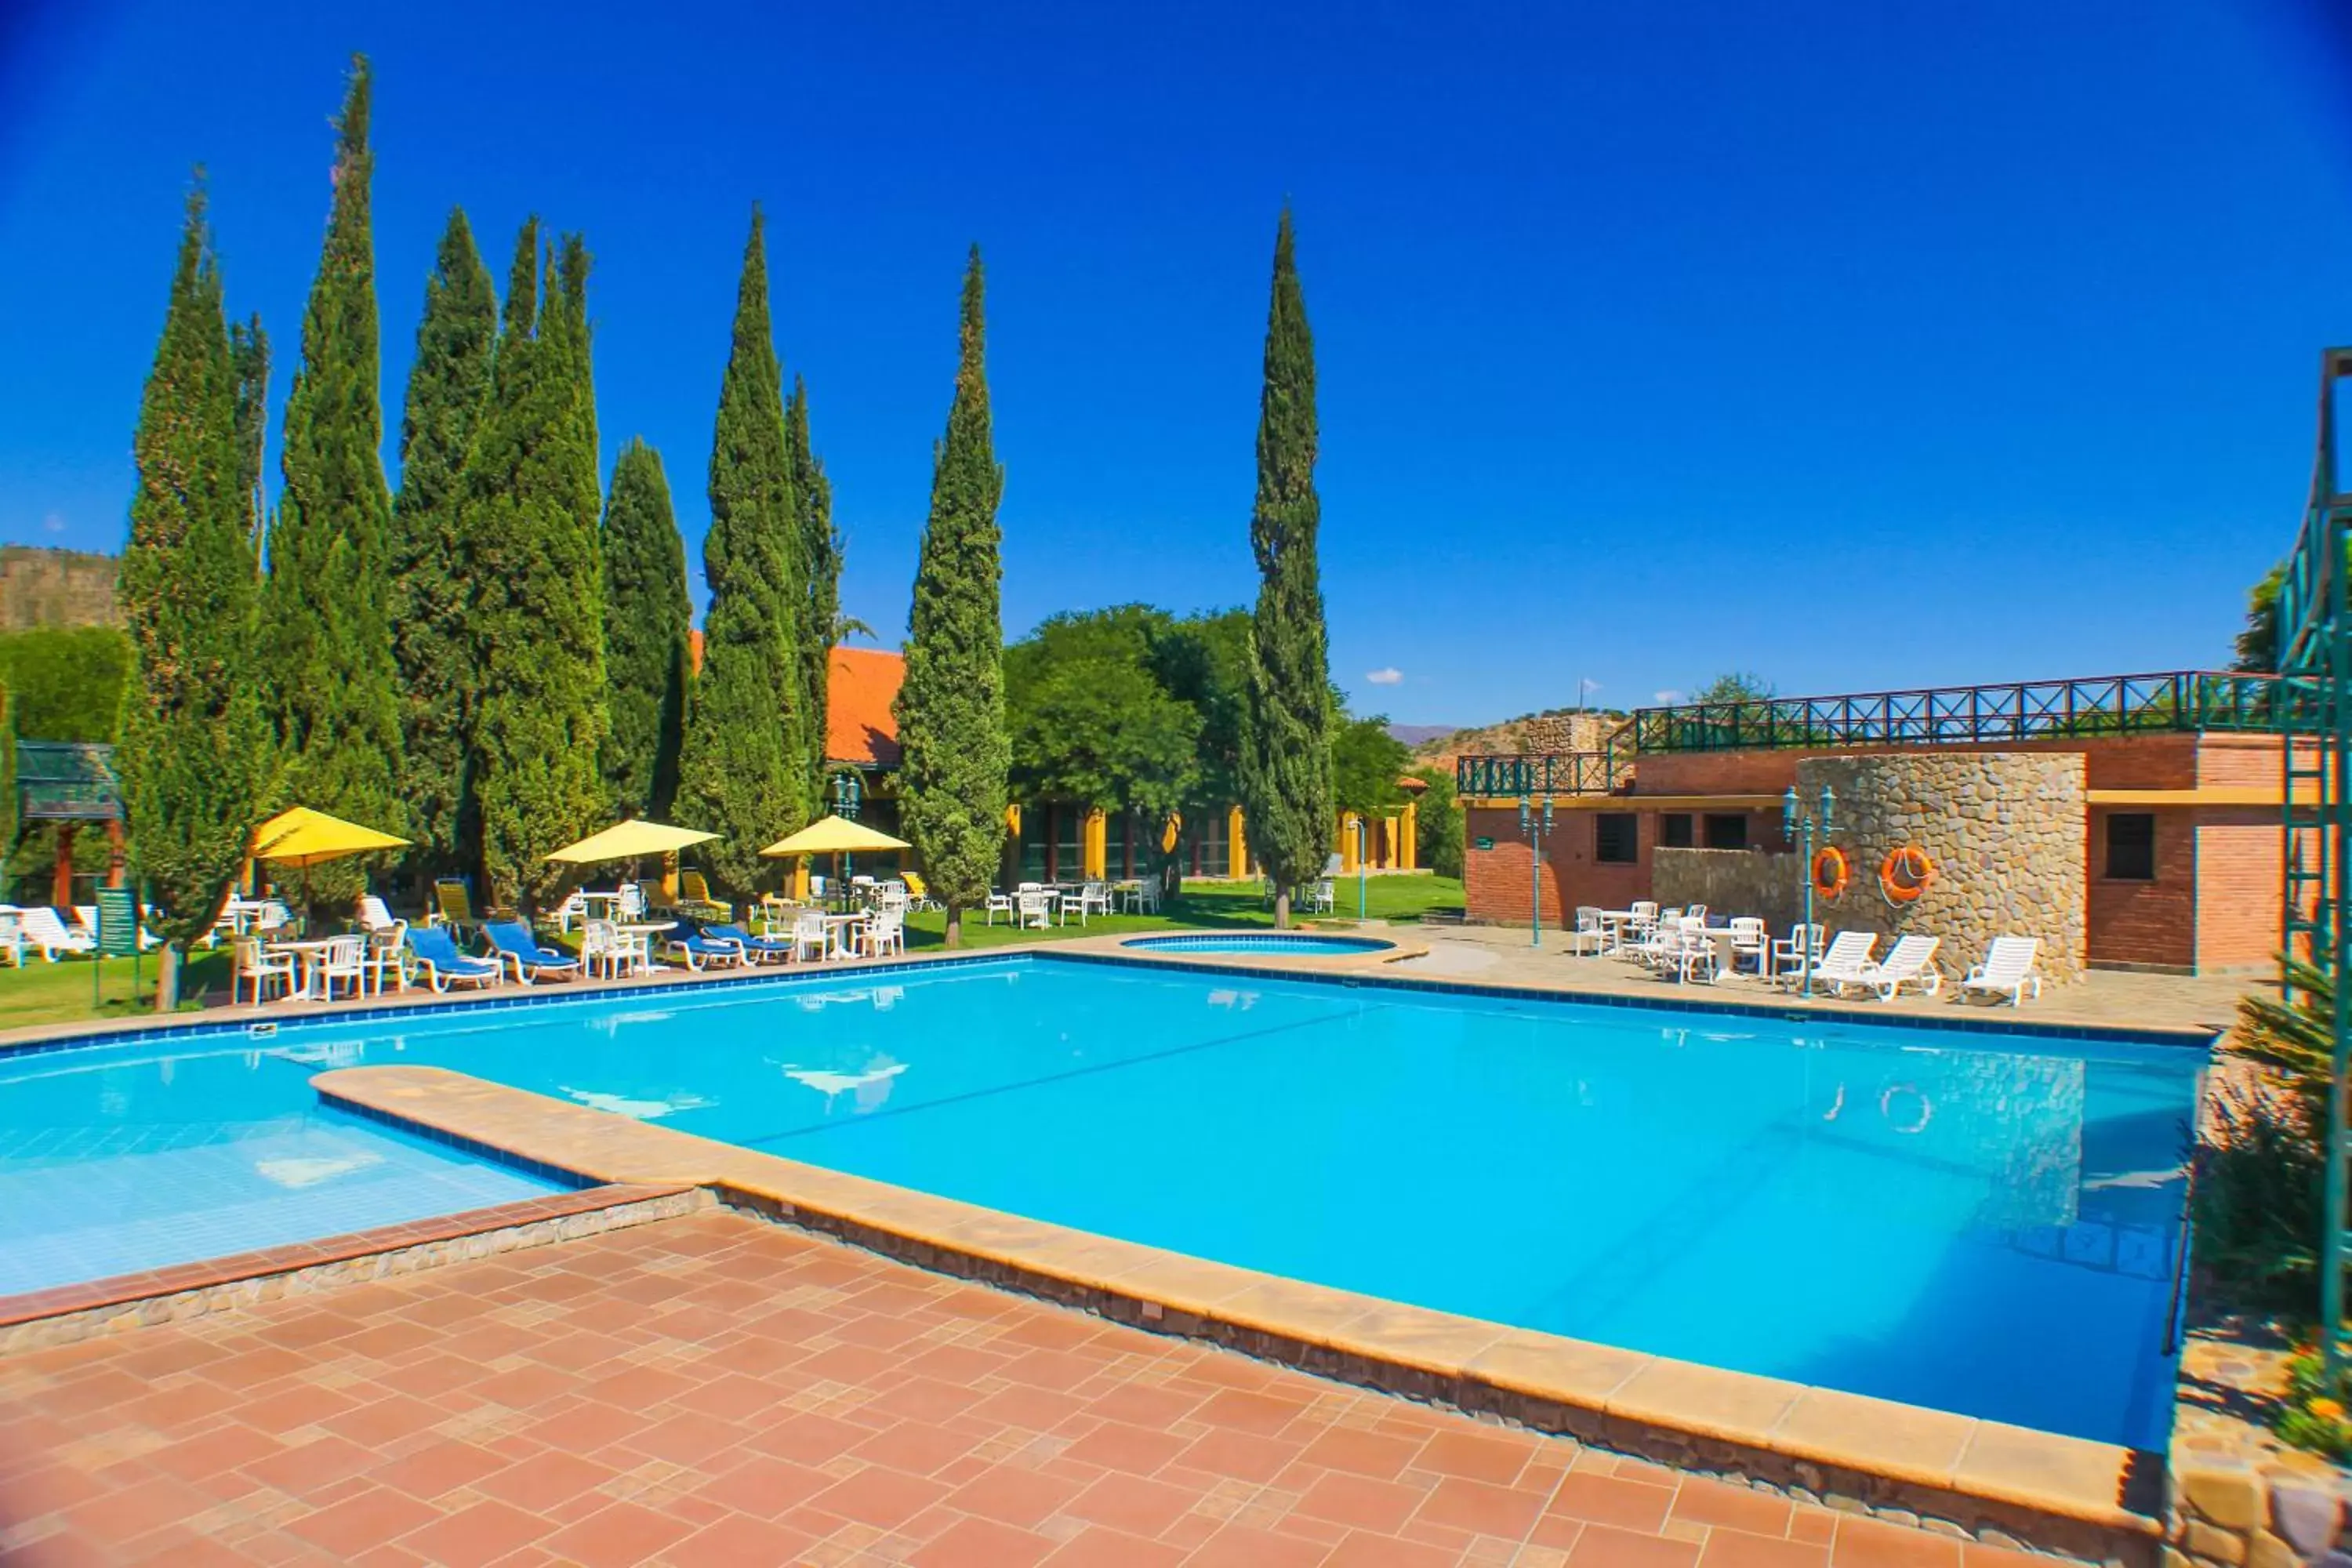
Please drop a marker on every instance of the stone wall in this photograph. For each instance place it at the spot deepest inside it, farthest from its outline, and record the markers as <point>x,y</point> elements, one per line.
<point>43,587</point>
<point>2007,832</point>
<point>1731,882</point>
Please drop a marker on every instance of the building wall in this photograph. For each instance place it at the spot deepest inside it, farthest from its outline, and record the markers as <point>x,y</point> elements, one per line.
<point>2137,762</point>
<point>2240,884</point>
<point>2145,925</point>
<point>2004,828</point>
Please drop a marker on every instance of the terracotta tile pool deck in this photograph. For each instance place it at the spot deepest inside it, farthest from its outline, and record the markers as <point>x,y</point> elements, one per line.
<point>713,1390</point>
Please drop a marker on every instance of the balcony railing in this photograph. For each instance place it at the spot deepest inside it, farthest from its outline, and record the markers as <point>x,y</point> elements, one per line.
<point>2176,702</point>
<point>1540,773</point>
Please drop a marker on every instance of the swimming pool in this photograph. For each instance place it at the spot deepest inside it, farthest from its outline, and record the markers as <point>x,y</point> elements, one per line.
<point>1267,943</point>
<point>1981,1222</point>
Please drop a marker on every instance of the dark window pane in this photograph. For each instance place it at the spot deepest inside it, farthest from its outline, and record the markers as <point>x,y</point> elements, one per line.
<point>1614,837</point>
<point>1726,830</point>
<point>2131,845</point>
<point>1674,830</point>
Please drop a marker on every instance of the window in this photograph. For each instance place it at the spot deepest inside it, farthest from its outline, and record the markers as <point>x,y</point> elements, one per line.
<point>2131,845</point>
<point>1615,837</point>
<point>1726,830</point>
<point>1674,830</point>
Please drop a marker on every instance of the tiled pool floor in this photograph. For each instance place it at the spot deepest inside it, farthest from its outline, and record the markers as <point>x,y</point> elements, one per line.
<point>712,1390</point>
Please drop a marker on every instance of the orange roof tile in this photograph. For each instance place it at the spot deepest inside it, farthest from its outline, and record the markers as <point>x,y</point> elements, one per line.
<point>859,725</point>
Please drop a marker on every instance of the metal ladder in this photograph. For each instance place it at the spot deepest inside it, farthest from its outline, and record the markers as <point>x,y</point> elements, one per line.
<point>2315,654</point>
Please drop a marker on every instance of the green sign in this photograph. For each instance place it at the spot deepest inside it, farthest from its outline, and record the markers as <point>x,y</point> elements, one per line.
<point>1483,842</point>
<point>117,923</point>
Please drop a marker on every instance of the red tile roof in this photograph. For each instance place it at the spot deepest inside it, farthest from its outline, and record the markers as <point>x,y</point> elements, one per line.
<point>859,726</point>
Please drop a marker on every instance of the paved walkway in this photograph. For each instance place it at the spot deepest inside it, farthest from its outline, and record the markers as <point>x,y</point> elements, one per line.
<point>712,1390</point>
<point>1497,955</point>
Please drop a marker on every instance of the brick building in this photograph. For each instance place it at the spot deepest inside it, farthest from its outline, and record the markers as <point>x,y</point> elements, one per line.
<point>2179,810</point>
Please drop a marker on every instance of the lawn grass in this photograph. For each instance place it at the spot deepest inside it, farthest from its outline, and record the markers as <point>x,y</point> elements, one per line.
<point>58,993</point>
<point>1211,905</point>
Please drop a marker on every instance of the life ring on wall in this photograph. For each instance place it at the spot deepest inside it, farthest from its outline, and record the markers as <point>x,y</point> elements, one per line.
<point>1904,874</point>
<point>1830,872</point>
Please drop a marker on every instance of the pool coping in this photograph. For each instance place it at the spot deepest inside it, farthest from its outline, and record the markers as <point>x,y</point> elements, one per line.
<point>1355,969</point>
<point>1972,1478</point>
<point>62,1314</point>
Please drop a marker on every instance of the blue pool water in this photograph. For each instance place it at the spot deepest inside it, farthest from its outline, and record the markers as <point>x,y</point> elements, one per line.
<point>1979,1223</point>
<point>1287,943</point>
<point>131,1157</point>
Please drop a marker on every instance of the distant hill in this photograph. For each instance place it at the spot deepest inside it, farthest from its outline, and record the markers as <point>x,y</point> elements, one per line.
<point>1554,729</point>
<point>41,587</point>
<point>1419,735</point>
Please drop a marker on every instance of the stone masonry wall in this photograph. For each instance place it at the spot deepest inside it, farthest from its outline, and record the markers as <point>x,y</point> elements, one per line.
<point>2007,832</point>
<point>1730,882</point>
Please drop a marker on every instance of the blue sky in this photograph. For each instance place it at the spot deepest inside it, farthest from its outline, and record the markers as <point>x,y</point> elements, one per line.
<point>1859,345</point>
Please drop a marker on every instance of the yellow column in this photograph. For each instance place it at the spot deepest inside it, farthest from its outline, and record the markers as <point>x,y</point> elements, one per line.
<point>1094,845</point>
<point>1408,837</point>
<point>1236,845</point>
<point>669,878</point>
<point>1347,826</point>
<point>799,880</point>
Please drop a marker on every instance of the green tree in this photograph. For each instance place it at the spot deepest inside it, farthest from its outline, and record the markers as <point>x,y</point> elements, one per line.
<point>1285,754</point>
<point>951,707</point>
<point>820,549</point>
<point>248,353</point>
<point>2257,647</point>
<point>67,680</point>
<point>8,773</point>
<point>1089,719</point>
<point>532,559</point>
<point>1204,661</point>
<point>1438,827</point>
<point>648,613</point>
<point>448,389</point>
<point>1735,686</point>
<point>326,625</point>
<point>1366,763</point>
<point>193,756</point>
<point>742,772</point>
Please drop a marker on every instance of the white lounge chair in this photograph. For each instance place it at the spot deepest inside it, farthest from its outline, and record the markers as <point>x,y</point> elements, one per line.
<point>1911,962</point>
<point>43,930</point>
<point>1847,962</point>
<point>2007,970</point>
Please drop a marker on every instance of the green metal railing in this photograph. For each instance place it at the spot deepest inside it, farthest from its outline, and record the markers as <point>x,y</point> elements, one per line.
<point>2192,700</point>
<point>1540,773</point>
<point>2315,655</point>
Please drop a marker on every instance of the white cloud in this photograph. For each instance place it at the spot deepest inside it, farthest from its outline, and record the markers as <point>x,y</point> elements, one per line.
<point>1389,677</point>
<point>55,522</point>
<point>1668,698</point>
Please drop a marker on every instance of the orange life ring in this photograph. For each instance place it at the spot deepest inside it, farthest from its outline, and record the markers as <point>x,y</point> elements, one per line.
<point>1904,874</point>
<point>1830,872</point>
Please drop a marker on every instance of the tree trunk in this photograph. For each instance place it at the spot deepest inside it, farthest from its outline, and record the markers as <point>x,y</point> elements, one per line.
<point>167,978</point>
<point>1282,909</point>
<point>955,926</point>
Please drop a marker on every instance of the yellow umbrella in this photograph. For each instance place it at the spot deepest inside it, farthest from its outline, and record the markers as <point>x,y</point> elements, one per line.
<point>834,835</point>
<point>304,837</point>
<point>631,840</point>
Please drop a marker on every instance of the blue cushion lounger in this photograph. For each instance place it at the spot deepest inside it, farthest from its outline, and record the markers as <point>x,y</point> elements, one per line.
<point>444,964</point>
<point>752,947</point>
<point>688,943</point>
<point>516,945</point>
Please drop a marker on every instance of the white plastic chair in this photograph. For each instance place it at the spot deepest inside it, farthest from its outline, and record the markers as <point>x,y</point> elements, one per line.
<point>600,950</point>
<point>1645,920</point>
<point>1030,911</point>
<point>572,911</point>
<point>251,968</point>
<point>345,959</point>
<point>1093,897</point>
<point>1749,940</point>
<point>2007,970</point>
<point>1694,950</point>
<point>387,954</point>
<point>996,902</point>
<point>1585,938</point>
<point>1801,947</point>
<point>886,933</point>
<point>632,902</point>
<point>809,939</point>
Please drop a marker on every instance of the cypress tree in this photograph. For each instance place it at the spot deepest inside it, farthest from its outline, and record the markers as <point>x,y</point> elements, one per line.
<point>193,755</point>
<point>647,612</point>
<point>248,353</point>
<point>951,708</point>
<point>742,772</point>
<point>532,563</point>
<point>324,608</point>
<point>7,774</point>
<point>448,388</point>
<point>1285,754</point>
<point>821,553</point>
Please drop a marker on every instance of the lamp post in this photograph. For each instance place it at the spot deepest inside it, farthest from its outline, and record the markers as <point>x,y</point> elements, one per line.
<point>1791,828</point>
<point>1360,863</point>
<point>1533,825</point>
<point>846,792</point>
